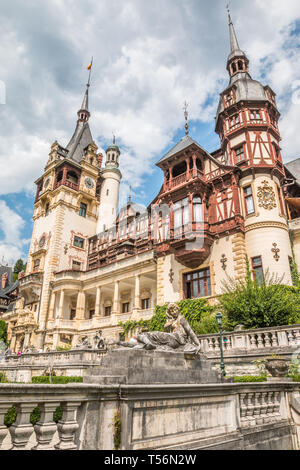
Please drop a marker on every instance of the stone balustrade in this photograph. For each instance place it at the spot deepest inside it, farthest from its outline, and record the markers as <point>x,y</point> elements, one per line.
<point>253,340</point>
<point>259,408</point>
<point>214,416</point>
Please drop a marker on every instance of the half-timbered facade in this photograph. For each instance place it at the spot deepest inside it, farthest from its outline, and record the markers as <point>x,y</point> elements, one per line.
<point>91,267</point>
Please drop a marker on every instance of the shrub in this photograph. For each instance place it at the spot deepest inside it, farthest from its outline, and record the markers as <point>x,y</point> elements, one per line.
<point>296,378</point>
<point>44,379</point>
<point>260,305</point>
<point>35,416</point>
<point>249,378</point>
<point>3,378</point>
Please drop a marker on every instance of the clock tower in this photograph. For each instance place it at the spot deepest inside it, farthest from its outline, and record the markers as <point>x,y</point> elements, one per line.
<point>65,216</point>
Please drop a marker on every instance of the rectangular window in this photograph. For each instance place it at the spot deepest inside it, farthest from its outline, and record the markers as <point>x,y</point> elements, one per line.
<point>249,201</point>
<point>258,269</point>
<point>79,242</point>
<point>145,304</point>
<point>240,154</point>
<point>76,265</point>
<point>125,307</point>
<point>181,213</point>
<point>280,199</point>
<point>197,284</point>
<point>36,264</point>
<point>82,210</point>
<point>107,311</point>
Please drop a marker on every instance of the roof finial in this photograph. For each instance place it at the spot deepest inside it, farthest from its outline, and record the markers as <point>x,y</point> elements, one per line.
<point>90,69</point>
<point>186,116</point>
<point>234,45</point>
<point>114,139</point>
<point>130,196</point>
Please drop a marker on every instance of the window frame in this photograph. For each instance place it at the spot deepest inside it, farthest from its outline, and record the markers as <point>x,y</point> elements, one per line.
<point>254,268</point>
<point>83,210</point>
<point>237,156</point>
<point>205,280</point>
<point>76,237</point>
<point>146,303</point>
<point>246,197</point>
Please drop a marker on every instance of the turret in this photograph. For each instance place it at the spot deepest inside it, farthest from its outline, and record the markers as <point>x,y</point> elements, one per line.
<point>109,196</point>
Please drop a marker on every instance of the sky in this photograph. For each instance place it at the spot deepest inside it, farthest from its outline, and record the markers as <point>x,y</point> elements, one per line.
<point>149,57</point>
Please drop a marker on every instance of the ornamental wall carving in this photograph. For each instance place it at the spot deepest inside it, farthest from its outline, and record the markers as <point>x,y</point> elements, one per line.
<point>266,225</point>
<point>266,196</point>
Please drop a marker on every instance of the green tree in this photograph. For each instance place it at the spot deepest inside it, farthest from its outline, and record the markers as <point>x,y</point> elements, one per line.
<point>19,267</point>
<point>3,331</point>
<point>260,305</point>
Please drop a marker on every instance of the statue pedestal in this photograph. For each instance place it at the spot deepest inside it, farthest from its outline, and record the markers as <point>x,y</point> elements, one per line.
<point>138,366</point>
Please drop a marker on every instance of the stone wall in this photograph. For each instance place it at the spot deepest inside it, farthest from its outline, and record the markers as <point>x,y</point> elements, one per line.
<point>170,417</point>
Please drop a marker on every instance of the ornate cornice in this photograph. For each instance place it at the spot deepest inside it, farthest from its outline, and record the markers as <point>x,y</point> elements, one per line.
<point>266,225</point>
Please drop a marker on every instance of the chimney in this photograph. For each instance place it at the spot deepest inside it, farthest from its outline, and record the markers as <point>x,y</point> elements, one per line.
<point>4,280</point>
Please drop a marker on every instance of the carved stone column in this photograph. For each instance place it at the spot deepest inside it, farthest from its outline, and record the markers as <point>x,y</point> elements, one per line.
<point>51,307</point>
<point>61,305</point>
<point>137,294</point>
<point>116,298</point>
<point>68,426</point>
<point>98,303</point>
<point>22,429</point>
<point>80,307</point>
<point>46,427</point>
<point>3,429</point>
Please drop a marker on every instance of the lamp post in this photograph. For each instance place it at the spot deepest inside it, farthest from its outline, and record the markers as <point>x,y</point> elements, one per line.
<point>219,320</point>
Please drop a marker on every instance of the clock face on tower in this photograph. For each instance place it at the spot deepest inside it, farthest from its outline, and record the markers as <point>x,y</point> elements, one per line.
<point>89,183</point>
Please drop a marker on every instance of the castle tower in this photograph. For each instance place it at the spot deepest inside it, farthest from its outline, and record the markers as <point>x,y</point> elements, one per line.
<point>247,124</point>
<point>65,216</point>
<point>109,196</point>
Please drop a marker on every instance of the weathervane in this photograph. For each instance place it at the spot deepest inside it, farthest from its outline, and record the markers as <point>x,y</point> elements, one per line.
<point>186,115</point>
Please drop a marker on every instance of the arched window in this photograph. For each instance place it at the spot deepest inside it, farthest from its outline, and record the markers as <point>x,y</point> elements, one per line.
<point>197,206</point>
<point>240,65</point>
<point>233,67</point>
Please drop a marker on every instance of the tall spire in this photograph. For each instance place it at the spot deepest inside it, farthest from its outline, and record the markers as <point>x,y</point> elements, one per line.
<point>237,61</point>
<point>234,45</point>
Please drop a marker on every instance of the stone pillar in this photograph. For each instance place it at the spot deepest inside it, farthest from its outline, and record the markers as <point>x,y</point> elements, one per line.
<point>13,342</point>
<point>136,305</point>
<point>51,307</point>
<point>26,340</point>
<point>137,292</point>
<point>116,298</point>
<point>98,303</point>
<point>61,305</point>
<point>80,307</point>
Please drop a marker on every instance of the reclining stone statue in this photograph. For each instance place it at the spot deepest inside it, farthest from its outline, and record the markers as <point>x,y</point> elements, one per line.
<point>178,335</point>
<point>83,343</point>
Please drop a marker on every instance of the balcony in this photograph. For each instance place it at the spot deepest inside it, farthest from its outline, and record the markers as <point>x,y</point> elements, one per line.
<point>182,179</point>
<point>68,184</point>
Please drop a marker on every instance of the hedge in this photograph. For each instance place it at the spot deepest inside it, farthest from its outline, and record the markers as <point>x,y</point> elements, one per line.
<point>56,380</point>
<point>249,378</point>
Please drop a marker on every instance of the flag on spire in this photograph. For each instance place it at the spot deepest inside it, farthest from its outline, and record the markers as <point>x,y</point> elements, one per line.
<point>90,65</point>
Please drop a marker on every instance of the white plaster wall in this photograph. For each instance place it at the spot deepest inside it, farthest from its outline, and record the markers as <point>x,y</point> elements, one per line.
<point>259,242</point>
<point>108,202</point>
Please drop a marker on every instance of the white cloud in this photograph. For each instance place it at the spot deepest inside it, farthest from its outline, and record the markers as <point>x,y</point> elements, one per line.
<point>148,58</point>
<point>11,244</point>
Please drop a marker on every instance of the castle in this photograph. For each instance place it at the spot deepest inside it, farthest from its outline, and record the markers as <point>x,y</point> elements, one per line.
<point>91,266</point>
